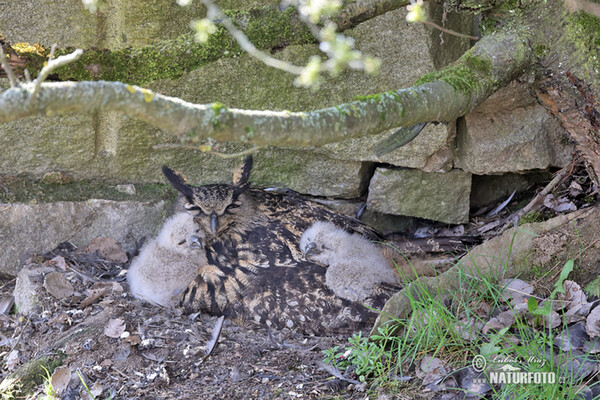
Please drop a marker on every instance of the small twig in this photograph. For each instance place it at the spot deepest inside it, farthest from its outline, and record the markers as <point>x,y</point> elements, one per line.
<point>246,45</point>
<point>8,283</point>
<point>27,76</point>
<point>52,50</point>
<point>20,334</point>
<point>51,66</point>
<point>513,219</point>
<point>9,72</point>
<point>449,31</point>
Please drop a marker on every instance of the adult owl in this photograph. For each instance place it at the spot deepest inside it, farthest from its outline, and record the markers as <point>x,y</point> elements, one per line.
<point>255,272</point>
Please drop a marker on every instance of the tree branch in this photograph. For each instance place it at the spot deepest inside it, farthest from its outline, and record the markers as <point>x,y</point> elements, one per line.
<point>445,95</point>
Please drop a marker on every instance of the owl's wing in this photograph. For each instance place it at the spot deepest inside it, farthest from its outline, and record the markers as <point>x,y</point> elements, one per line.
<point>298,298</point>
<point>298,213</point>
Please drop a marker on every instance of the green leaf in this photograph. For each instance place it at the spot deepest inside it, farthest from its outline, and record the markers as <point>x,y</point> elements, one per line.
<point>532,305</point>
<point>558,287</point>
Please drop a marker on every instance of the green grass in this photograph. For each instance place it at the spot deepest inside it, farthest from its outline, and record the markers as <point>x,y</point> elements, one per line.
<point>448,326</point>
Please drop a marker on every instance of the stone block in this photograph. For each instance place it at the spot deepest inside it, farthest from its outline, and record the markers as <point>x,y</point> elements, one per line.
<point>310,173</point>
<point>27,229</point>
<point>438,196</point>
<point>416,154</point>
<point>122,23</point>
<point>511,132</point>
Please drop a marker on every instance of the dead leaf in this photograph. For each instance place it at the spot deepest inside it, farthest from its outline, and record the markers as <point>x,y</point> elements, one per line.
<point>516,290</point>
<point>93,296</point>
<point>122,353</point>
<point>111,287</point>
<point>57,262</point>
<point>60,379</point>
<point>114,328</point>
<point>503,320</point>
<point>592,325</point>
<point>134,340</point>
<point>559,205</point>
<point>12,360</point>
<point>58,285</point>
<point>108,248</point>
<point>96,389</point>
<point>575,189</point>
<point>573,294</point>
<point>554,320</point>
<point>432,370</point>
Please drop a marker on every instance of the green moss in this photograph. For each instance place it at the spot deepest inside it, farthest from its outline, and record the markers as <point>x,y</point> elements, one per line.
<point>267,28</point>
<point>532,216</point>
<point>217,107</point>
<point>376,97</point>
<point>540,50</point>
<point>584,32</point>
<point>459,77</point>
<point>28,377</point>
<point>465,75</point>
<point>25,191</point>
<point>478,64</point>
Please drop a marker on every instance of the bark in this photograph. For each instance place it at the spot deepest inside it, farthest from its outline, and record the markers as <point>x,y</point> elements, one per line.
<point>491,63</point>
<point>573,104</point>
<point>500,257</point>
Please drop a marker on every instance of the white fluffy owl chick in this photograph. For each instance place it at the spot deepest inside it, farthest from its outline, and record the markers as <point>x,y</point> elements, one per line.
<point>166,265</point>
<point>355,265</point>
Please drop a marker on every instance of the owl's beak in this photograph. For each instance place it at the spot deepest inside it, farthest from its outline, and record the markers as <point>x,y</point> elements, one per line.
<point>213,224</point>
<point>310,249</point>
<point>196,243</point>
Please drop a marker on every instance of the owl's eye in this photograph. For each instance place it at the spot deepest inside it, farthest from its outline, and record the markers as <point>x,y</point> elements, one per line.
<point>193,207</point>
<point>232,206</point>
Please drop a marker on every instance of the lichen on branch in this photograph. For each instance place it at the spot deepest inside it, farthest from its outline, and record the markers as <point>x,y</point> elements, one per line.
<point>491,63</point>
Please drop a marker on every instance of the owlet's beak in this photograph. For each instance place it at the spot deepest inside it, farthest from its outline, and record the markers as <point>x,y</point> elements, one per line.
<point>213,224</point>
<point>310,249</point>
<point>195,242</point>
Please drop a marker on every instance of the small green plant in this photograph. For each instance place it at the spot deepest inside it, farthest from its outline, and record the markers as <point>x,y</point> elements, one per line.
<point>372,357</point>
<point>85,385</point>
<point>532,303</point>
<point>48,388</point>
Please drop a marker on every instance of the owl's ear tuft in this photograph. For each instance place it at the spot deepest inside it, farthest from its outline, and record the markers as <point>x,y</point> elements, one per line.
<point>178,182</point>
<point>241,175</point>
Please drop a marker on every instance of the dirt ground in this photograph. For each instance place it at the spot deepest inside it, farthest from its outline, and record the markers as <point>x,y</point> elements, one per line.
<point>126,349</point>
<point>117,347</point>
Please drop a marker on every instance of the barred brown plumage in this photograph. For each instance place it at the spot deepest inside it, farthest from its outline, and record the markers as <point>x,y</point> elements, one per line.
<point>255,271</point>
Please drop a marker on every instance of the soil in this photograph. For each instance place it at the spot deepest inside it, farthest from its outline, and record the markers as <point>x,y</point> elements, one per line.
<point>158,353</point>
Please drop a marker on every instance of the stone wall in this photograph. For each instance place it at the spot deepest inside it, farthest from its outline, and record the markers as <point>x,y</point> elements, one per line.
<point>430,178</point>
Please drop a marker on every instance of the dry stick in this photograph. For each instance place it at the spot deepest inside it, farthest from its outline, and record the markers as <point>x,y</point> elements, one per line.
<point>560,175</point>
<point>9,72</point>
<point>449,31</point>
<point>246,45</point>
<point>51,66</point>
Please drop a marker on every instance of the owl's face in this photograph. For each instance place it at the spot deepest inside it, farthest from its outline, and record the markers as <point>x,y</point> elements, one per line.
<point>216,208</point>
<point>181,234</point>
<point>318,243</point>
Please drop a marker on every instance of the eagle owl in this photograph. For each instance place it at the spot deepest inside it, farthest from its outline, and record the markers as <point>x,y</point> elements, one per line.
<point>166,265</point>
<point>255,272</point>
